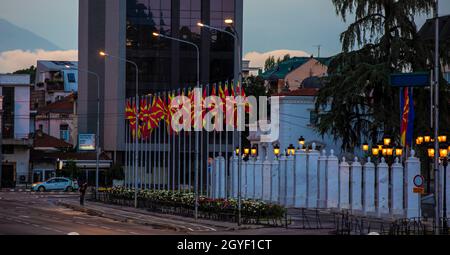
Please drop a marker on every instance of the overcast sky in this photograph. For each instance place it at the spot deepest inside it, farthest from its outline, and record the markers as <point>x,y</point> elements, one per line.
<point>268,25</point>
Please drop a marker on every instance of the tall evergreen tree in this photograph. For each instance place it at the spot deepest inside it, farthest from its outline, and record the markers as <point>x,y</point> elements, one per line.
<point>357,102</point>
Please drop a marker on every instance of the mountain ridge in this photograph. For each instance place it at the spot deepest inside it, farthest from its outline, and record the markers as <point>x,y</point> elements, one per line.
<point>17,38</point>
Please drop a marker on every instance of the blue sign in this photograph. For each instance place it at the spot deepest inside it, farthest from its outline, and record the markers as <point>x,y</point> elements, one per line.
<point>410,80</point>
<point>86,142</point>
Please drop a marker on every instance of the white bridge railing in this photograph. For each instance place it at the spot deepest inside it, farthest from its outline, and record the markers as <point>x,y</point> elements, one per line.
<point>320,181</point>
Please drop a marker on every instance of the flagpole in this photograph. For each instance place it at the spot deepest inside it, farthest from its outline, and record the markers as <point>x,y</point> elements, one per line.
<point>159,148</point>
<point>169,143</point>
<point>190,151</point>
<point>153,148</point>
<point>179,154</point>
<point>202,152</point>
<point>207,149</point>
<point>147,151</point>
<point>223,121</point>
<point>126,148</point>
<point>173,151</point>
<point>184,150</point>
<point>214,142</point>
<point>133,149</point>
<point>226,153</point>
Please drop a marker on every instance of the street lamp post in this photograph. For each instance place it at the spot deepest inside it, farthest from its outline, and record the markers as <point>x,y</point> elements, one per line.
<point>237,40</point>
<point>196,137</point>
<point>436,118</point>
<point>445,223</point>
<point>98,124</point>
<point>136,154</point>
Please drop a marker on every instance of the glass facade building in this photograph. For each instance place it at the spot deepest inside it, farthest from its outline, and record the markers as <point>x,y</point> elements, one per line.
<point>166,64</point>
<point>124,28</point>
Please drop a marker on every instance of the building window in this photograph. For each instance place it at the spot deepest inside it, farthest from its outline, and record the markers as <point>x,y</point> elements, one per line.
<point>64,132</point>
<point>8,149</point>
<point>71,78</point>
<point>447,76</point>
<point>8,112</point>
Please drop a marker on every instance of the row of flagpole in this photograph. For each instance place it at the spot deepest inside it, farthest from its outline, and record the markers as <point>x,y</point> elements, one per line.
<point>165,157</point>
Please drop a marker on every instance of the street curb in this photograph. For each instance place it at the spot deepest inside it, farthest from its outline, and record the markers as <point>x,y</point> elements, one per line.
<point>117,217</point>
<point>100,213</point>
<point>211,223</point>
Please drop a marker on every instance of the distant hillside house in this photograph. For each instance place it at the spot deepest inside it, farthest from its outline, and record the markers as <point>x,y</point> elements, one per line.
<point>59,119</point>
<point>56,80</point>
<point>291,74</point>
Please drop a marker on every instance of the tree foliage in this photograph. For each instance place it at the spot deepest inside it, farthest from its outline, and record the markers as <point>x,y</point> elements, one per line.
<point>357,102</point>
<point>270,63</point>
<point>31,71</point>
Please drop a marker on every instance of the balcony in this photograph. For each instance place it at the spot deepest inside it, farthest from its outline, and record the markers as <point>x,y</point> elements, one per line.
<point>18,140</point>
<point>55,85</point>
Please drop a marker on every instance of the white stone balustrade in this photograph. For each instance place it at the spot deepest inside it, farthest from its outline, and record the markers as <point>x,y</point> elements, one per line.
<point>312,180</point>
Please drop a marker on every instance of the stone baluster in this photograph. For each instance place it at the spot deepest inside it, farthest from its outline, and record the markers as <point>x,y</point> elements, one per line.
<point>369,188</point>
<point>383,189</point>
<point>344,185</point>
<point>412,199</point>
<point>301,175</point>
<point>234,174</point>
<point>251,179</point>
<point>259,179</point>
<point>332,181</point>
<point>356,187</point>
<point>313,177</point>
<point>267,180</point>
<point>397,189</point>
<point>283,177</point>
<point>290,181</point>
<point>322,189</point>
<point>275,181</point>
<point>244,181</point>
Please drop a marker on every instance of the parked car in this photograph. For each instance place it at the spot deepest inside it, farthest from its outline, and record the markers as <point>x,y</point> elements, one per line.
<point>57,183</point>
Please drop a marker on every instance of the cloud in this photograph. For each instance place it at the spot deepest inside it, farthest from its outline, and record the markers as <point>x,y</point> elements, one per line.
<point>14,60</point>
<point>257,59</point>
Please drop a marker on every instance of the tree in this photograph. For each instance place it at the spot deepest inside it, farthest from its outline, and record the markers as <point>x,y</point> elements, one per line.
<point>286,57</point>
<point>357,103</point>
<point>270,63</point>
<point>116,173</point>
<point>31,71</point>
<point>71,170</point>
<point>253,86</point>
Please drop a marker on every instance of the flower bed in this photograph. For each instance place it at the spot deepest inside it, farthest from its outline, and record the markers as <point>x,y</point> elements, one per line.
<point>252,211</point>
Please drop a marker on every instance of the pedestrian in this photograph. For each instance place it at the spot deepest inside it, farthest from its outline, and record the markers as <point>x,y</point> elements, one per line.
<point>83,189</point>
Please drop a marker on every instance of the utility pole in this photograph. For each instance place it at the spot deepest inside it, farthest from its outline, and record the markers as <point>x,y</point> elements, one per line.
<point>318,49</point>
<point>436,122</point>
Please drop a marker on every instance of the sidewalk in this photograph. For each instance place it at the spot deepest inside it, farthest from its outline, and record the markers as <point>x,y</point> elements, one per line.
<point>161,221</point>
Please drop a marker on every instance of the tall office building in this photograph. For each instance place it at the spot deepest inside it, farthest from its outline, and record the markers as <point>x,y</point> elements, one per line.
<point>124,28</point>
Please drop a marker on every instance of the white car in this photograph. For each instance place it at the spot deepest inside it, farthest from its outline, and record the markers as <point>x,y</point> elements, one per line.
<point>57,183</point>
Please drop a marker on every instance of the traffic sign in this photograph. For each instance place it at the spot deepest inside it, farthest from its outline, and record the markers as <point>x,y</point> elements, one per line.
<point>419,181</point>
<point>419,190</point>
<point>410,80</point>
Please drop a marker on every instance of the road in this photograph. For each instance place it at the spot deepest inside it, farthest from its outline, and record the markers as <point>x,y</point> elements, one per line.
<point>27,213</point>
<point>36,214</point>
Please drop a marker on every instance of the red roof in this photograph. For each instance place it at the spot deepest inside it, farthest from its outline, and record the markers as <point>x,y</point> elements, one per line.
<point>42,140</point>
<point>66,105</point>
<point>311,92</point>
